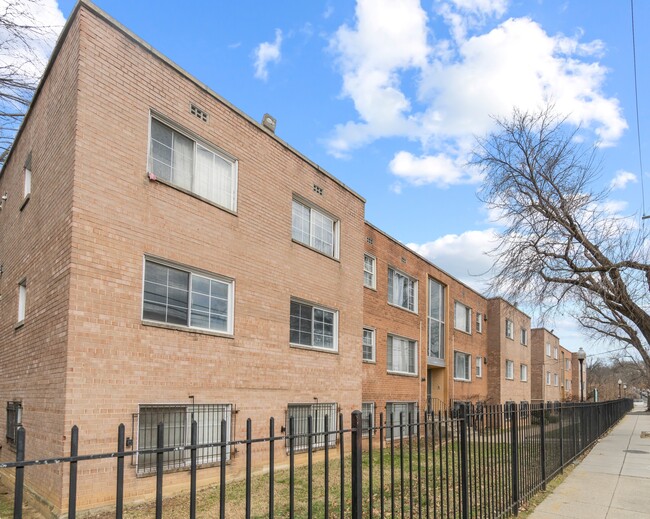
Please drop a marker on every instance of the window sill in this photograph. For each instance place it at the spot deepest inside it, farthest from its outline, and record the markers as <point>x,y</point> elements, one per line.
<point>510,378</point>
<point>463,331</point>
<point>19,324</point>
<point>374,289</point>
<point>313,348</point>
<point>315,250</point>
<point>25,200</point>
<point>179,328</point>
<point>414,312</point>
<point>402,374</point>
<point>369,361</point>
<point>462,379</point>
<point>193,195</point>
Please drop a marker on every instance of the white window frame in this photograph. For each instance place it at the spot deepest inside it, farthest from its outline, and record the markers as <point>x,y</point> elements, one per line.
<point>510,369</point>
<point>411,344</point>
<point>196,142</point>
<point>510,329</point>
<point>555,353</point>
<point>394,273</point>
<point>373,337</point>
<point>548,349</point>
<point>556,379</point>
<point>317,411</point>
<point>27,182</point>
<point>479,367</point>
<point>372,273</point>
<point>523,372</point>
<point>315,307</point>
<point>229,282</point>
<point>467,365</point>
<point>411,407</point>
<point>311,242</point>
<point>22,300</point>
<point>548,378</point>
<point>479,322</point>
<point>523,336</point>
<point>462,310</point>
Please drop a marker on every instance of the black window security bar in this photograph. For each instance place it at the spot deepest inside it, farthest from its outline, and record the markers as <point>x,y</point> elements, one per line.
<point>14,418</point>
<point>481,461</point>
<point>322,416</point>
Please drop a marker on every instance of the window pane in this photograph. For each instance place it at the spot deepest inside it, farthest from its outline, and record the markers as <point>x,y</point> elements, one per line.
<point>183,163</point>
<point>300,223</point>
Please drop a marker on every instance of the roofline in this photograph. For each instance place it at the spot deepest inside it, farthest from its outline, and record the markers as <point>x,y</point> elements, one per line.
<point>136,39</point>
<point>429,262</point>
<point>547,331</point>
<point>495,298</point>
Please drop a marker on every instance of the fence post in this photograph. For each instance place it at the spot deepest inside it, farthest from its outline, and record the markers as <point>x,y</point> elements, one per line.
<point>20,473</point>
<point>72,493</point>
<point>356,464</point>
<point>542,431</point>
<point>559,413</point>
<point>514,449</point>
<point>194,439</point>
<point>464,482</point>
<point>160,444</point>
<point>119,491</point>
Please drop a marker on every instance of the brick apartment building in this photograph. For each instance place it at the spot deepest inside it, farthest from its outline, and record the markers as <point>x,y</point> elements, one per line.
<point>424,345</point>
<point>566,378</point>
<point>166,257</point>
<point>547,385</point>
<point>160,251</point>
<point>509,356</point>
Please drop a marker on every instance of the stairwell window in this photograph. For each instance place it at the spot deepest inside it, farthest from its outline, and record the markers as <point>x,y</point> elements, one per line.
<point>194,166</point>
<point>368,345</point>
<point>436,319</point>
<point>369,271</point>
<point>462,366</point>
<point>22,300</point>
<point>510,329</point>
<point>183,297</point>
<point>312,227</point>
<point>510,370</point>
<point>462,317</point>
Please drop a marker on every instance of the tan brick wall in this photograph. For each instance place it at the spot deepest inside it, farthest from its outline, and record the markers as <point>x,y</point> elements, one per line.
<point>567,377</point>
<point>35,244</point>
<point>543,364</point>
<point>501,348</point>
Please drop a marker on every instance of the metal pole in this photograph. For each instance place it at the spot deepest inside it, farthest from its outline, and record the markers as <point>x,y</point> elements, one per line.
<point>463,463</point>
<point>582,387</point>
<point>356,464</point>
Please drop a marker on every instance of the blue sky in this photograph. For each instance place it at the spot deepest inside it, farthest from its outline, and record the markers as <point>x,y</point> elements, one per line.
<point>388,96</point>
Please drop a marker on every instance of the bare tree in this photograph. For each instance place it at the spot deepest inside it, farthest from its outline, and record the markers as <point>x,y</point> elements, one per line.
<point>562,245</point>
<point>23,51</point>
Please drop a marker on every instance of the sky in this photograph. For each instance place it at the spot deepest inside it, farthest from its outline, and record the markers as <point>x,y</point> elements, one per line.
<point>390,96</point>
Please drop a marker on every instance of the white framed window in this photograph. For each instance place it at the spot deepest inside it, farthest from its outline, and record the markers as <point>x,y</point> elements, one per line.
<point>369,345</point>
<point>524,337</point>
<point>548,349</point>
<point>462,317</point>
<point>396,411</point>
<point>401,355</point>
<point>367,417</point>
<point>462,366</point>
<point>567,364</point>
<point>479,322</point>
<point>319,413</point>
<point>479,367</point>
<point>193,166</point>
<point>22,300</point>
<point>510,370</point>
<point>313,227</point>
<point>402,290</point>
<point>185,297</point>
<point>313,326</point>
<point>27,176</point>
<point>510,329</point>
<point>555,352</point>
<point>369,271</point>
<point>436,319</point>
<point>556,379</point>
<point>178,422</point>
<point>523,372</point>
<point>568,385</point>
<point>548,378</point>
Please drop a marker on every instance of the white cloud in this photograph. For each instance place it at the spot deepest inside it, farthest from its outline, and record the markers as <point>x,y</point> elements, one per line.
<point>465,256</point>
<point>265,53</point>
<point>463,82</point>
<point>622,179</point>
<point>441,170</point>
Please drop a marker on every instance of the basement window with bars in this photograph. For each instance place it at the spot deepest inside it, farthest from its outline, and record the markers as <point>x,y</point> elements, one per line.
<point>177,419</point>
<point>367,417</point>
<point>14,420</point>
<point>395,410</point>
<point>320,414</point>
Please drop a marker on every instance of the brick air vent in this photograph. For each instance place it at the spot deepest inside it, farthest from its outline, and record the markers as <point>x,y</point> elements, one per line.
<point>318,190</point>
<point>198,113</point>
<point>370,240</point>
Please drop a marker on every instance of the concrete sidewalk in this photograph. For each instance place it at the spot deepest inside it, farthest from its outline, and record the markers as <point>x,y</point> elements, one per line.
<point>613,480</point>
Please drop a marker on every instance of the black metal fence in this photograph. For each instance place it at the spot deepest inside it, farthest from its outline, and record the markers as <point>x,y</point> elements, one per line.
<point>477,461</point>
